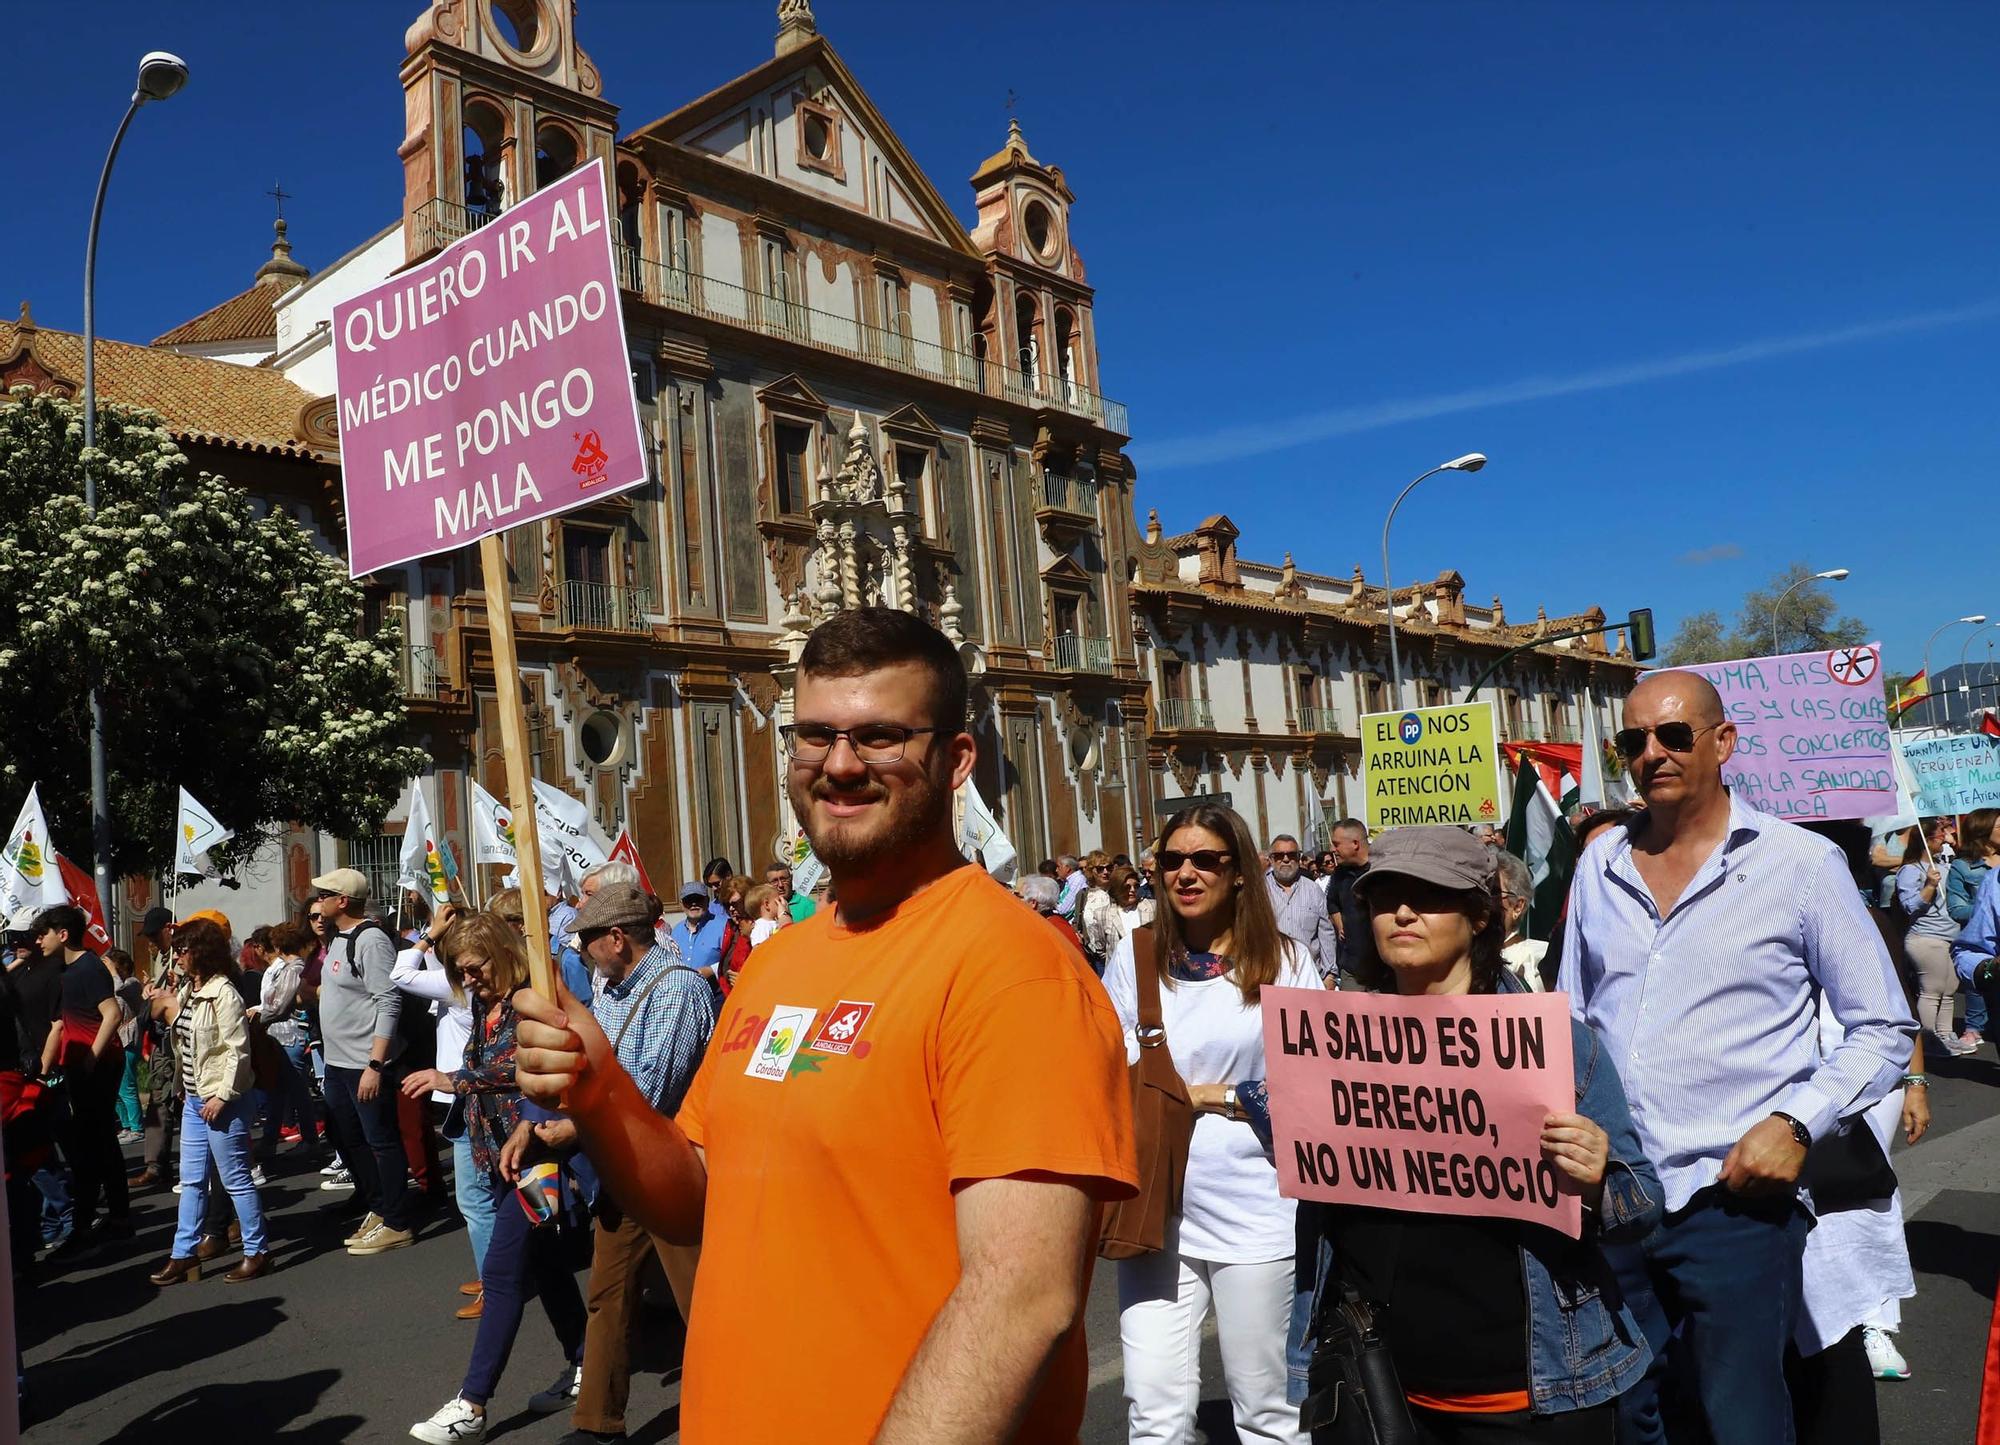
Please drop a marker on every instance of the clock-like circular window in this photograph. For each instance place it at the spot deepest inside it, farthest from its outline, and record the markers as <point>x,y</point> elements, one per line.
<point>602,738</point>
<point>819,136</point>
<point>522,27</point>
<point>1038,223</point>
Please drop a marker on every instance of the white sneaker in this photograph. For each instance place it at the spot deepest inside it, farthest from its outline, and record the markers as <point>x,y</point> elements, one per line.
<point>456,1421</point>
<point>339,1179</point>
<point>336,1167</point>
<point>1883,1357</point>
<point>1952,1044</point>
<point>369,1224</point>
<point>179,1187</point>
<point>257,1175</point>
<point>561,1395</point>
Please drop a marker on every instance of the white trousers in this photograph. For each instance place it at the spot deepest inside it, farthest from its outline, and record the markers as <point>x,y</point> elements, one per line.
<point>1162,1300</point>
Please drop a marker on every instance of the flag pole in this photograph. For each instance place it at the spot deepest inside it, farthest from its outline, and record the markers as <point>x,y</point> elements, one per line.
<point>514,750</point>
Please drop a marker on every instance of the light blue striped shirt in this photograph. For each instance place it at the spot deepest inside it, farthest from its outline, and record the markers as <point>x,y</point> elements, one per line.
<point>1711,1013</point>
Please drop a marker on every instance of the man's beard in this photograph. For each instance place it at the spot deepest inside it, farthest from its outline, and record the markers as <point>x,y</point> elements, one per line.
<point>1286,875</point>
<point>924,812</point>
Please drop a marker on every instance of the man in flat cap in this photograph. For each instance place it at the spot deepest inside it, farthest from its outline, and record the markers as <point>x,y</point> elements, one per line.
<point>659,1014</point>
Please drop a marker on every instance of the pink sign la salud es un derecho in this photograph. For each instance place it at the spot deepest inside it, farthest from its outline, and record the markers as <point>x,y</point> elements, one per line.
<point>1428,1104</point>
<point>489,386</point>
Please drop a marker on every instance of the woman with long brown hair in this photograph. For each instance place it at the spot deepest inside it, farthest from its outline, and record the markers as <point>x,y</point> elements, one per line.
<point>1929,930</point>
<point>212,1048</point>
<point>1213,946</point>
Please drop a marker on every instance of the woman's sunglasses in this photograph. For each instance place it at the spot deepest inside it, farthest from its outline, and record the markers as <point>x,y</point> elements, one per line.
<point>1205,860</point>
<point>1675,737</point>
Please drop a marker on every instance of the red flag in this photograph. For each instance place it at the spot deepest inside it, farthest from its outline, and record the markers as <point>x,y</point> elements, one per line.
<point>1989,1385</point>
<point>82,890</point>
<point>626,851</point>
<point>1988,723</point>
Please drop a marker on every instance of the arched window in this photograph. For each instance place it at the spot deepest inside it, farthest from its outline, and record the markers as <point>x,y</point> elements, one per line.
<point>631,249</point>
<point>1028,337</point>
<point>1066,353</point>
<point>485,174</point>
<point>556,155</point>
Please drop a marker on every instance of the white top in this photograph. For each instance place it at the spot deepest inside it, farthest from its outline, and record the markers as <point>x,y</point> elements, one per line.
<point>277,991</point>
<point>762,929</point>
<point>1231,1211</point>
<point>422,976</point>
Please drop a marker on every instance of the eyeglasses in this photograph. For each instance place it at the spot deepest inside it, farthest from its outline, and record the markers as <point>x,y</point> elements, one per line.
<point>1277,853</point>
<point>872,742</point>
<point>1675,737</point>
<point>1205,860</point>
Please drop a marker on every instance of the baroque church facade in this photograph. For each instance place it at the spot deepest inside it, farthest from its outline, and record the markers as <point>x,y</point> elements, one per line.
<point>851,397</point>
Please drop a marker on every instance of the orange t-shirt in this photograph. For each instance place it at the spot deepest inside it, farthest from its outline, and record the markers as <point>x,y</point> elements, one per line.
<point>855,1077</point>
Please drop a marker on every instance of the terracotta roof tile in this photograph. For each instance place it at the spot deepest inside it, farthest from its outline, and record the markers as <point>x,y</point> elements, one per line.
<point>204,400</point>
<point>252,316</point>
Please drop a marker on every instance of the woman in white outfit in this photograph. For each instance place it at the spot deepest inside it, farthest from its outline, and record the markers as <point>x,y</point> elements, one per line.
<point>1115,913</point>
<point>1216,943</point>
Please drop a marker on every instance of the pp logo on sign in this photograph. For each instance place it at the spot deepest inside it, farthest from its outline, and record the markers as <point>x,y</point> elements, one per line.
<point>1410,729</point>
<point>842,1027</point>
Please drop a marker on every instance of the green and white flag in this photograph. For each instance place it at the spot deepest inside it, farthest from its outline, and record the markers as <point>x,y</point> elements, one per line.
<point>1538,835</point>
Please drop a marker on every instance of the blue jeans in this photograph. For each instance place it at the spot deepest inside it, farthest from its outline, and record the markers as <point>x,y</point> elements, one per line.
<point>58,1210</point>
<point>478,1200</point>
<point>1975,1010</point>
<point>520,1258</point>
<point>1723,1274</point>
<point>289,1095</point>
<point>227,1141</point>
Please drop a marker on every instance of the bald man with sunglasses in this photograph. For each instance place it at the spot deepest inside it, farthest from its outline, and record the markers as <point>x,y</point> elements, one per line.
<point>1701,938</point>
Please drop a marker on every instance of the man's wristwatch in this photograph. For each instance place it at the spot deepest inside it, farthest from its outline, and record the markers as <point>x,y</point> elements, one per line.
<point>376,1066</point>
<point>1799,1131</point>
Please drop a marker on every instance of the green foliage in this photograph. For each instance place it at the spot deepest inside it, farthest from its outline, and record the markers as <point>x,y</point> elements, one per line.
<point>1806,622</point>
<point>228,645</point>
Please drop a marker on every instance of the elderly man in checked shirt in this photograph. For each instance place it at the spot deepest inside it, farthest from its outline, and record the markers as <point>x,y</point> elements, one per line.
<point>659,1014</point>
<point>1700,939</point>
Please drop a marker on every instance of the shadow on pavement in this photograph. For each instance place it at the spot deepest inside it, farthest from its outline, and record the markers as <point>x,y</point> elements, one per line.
<point>259,1410</point>
<point>1938,1246</point>
<point>162,1346</point>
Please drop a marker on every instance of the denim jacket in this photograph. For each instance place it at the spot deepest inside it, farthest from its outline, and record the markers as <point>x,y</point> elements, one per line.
<point>1584,1344</point>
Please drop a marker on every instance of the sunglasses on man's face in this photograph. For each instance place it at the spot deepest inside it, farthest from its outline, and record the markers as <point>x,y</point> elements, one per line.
<point>1205,860</point>
<point>1675,737</point>
<point>1283,853</point>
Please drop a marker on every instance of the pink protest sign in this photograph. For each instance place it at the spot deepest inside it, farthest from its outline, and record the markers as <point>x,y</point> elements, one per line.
<point>489,386</point>
<point>1433,1105</point>
<point>1812,733</point>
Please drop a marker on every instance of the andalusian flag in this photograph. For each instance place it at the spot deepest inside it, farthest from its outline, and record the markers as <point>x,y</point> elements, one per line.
<point>1914,691</point>
<point>1538,835</point>
<point>422,866</point>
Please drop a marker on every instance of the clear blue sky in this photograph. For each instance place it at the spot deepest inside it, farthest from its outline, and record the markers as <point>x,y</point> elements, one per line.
<point>1714,285</point>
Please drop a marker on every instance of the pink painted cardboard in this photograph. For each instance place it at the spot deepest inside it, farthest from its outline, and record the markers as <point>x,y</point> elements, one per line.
<point>1812,733</point>
<point>489,386</point>
<point>1365,1089</point>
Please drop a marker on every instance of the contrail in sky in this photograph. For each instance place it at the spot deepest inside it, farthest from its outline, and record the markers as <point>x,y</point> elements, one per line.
<point>1236,442</point>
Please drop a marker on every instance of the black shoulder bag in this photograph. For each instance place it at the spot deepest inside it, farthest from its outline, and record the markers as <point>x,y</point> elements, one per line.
<point>1354,1396</point>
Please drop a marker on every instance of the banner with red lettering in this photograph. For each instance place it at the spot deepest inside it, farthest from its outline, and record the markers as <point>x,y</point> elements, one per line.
<point>1429,1104</point>
<point>626,851</point>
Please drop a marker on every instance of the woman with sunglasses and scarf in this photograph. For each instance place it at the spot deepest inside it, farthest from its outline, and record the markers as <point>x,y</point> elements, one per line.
<point>1500,1330</point>
<point>1215,945</point>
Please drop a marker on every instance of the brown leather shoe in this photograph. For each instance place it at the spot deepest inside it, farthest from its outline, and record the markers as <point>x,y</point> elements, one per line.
<point>175,1270</point>
<point>210,1246</point>
<point>235,1232</point>
<point>143,1180</point>
<point>471,1289</point>
<point>254,1266</point>
<point>475,1309</point>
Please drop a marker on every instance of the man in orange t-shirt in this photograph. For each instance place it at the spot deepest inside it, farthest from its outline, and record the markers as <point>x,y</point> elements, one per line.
<point>895,1150</point>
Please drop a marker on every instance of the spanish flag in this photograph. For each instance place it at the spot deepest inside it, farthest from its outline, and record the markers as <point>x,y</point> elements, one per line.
<point>1914,691</point>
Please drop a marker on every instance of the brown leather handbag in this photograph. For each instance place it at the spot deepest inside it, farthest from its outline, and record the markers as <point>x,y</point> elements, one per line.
<point>1162,1124</point>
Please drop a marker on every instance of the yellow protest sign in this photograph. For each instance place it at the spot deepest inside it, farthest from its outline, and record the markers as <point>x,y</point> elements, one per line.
<point>1431,765</point>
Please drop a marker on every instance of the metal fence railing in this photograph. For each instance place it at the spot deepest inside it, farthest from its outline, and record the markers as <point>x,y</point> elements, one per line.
<point>1170,713</point>
<point>1082,654</point>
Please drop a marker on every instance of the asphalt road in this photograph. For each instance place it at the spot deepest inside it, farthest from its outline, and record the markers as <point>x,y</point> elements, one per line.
<point>332,1348</point>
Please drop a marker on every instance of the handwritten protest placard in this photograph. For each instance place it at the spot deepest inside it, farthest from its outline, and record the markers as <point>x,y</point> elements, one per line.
<point>1433,1105</point>
<point>1812,733</point>
<point>1954,774</point>
<point>489,386</point>
<point>1431,765</point>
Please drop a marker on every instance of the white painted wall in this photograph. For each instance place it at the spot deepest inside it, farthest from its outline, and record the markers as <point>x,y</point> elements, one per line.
<point>305,352</point>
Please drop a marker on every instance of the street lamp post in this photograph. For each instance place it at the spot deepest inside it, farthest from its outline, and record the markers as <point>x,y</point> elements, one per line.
<point>1832,574</point>
<point>1964,690</point>
<point>160,76</point>
<point>1930,683</point>
<point>1470,462</point>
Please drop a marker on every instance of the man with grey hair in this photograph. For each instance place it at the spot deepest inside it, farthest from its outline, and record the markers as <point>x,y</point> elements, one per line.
<point>1075,883</point>
<point>1523,955</point>
<point>1043,894</point>
<point>1300,906</point>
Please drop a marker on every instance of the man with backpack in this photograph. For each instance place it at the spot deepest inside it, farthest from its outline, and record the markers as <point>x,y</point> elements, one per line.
<point>358,1009</point>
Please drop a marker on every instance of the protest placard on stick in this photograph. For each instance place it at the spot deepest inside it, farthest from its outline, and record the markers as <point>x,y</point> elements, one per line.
<point>487,388</point>
<point>1431,765</point>
<point>1428,1104</point>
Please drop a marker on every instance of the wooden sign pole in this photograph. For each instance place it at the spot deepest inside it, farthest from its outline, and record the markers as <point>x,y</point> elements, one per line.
<point>514,748</point>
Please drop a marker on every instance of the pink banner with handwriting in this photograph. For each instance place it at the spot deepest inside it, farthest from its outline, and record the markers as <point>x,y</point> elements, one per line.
<point>1433,1105</point>
<point>489,386</point>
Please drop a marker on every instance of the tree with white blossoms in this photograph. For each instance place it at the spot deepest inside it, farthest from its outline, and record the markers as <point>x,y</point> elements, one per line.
<point>229,647</point>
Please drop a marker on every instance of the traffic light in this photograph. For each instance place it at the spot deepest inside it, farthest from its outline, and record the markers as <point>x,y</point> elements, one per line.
<point>1641,625</point>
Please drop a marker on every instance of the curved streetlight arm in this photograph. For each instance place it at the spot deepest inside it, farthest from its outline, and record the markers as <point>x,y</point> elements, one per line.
<point>1930,683</point>
<point>1778,607</point>
<point>1389,588</point>
<point>1962,688</point>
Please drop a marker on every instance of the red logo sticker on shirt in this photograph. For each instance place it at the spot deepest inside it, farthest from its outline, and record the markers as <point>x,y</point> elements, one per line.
<point>842,1027</point>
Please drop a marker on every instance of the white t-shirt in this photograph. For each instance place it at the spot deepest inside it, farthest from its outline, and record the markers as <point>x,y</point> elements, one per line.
<point>1231,1211</point>
<point>762,929</point>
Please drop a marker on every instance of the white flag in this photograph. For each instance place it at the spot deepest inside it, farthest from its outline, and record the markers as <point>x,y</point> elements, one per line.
<point>198,832</point>
<point>570,845</point>
<point>29,876</point>
<point>421,867</point>
<point>492,828</point>
<point>979,835</point>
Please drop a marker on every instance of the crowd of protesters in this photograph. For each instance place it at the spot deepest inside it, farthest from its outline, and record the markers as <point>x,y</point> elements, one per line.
<point>917,1070</point>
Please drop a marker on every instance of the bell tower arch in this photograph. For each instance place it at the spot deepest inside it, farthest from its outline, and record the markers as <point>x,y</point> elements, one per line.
<point>499,99</point>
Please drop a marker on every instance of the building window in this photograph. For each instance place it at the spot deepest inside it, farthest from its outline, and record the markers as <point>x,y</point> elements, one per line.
<point>1374,695</point>
<point>1028,333</point>
<point>1433,694</point>
<point>1066,353</point>
<point>1038,225</point>
<point>792,445</point>
<point>555,155</point>
<point>779,310</point>
<point>485,135</point>
<point>819,140</point>
<point>1173,678</point>
<point>912,469</point>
